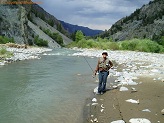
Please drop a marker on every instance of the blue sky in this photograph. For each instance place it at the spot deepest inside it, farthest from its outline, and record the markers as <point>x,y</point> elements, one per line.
<point>95,14</point>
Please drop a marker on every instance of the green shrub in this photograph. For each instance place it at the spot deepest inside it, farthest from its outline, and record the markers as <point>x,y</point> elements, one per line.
<point>144,45</point>
<point>55,36</point>
<point>129,45</point>
<point>4,40</point>
<point>50,22</point>
<point>40,42</point>
<point>4,53</point>
<point>113,46</point>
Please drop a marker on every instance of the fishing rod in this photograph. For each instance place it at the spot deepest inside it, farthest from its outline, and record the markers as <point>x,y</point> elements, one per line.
<point>89,66</point>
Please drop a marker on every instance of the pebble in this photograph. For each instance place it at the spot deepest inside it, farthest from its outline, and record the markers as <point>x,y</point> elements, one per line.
<point>146,110</point>
<point>133,89</point>
<point>94,100</point>
<point>102,106</point>
<point>102,110</point>
<point>96,120</point>
<point>93,104</point>
<point>132,101</point>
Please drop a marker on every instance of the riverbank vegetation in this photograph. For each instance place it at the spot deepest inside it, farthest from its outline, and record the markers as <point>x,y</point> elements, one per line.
<point>40,42</point>
<point>143,45</point>
<point>4,40</point>
<point>4,53</point>
<point>55,36</point>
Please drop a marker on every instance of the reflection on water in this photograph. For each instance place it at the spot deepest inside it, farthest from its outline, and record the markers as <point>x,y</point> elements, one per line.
<point>48,90</point>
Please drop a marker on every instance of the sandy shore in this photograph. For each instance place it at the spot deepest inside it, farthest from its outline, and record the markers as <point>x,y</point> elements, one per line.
<point>20,54</point>
<point>135,89</point>
<point>112,105</point>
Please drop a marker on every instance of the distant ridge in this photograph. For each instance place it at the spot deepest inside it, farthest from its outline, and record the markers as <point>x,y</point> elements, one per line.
<point>146,22</point>
<point>87,31</point>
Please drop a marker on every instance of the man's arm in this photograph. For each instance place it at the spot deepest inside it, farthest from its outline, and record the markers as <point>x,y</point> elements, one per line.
<point>111,64</point>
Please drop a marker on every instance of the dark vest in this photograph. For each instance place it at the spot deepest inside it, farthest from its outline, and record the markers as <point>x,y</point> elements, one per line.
<point>104,64</point>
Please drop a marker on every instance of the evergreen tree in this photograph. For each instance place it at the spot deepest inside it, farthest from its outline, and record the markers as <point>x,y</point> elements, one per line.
<point>59,27</point>
<point>79,35</point>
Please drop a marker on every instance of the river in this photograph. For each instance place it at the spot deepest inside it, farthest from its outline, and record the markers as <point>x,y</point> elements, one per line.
<point>52,89</point>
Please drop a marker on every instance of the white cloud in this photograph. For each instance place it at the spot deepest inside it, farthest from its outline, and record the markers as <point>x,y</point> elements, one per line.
<point>96,14</point>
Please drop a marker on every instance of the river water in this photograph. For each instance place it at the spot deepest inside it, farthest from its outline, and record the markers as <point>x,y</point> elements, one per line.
<point>50,90</point>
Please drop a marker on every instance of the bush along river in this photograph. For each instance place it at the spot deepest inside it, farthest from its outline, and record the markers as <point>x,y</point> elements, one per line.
<point>52,89</point>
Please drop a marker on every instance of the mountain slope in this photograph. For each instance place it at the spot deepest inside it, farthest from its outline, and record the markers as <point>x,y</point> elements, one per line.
<point>87,31</point>
<point>43,25</point>
<point>143,23</point>
<point>42,35</point>
<point>20,23</point>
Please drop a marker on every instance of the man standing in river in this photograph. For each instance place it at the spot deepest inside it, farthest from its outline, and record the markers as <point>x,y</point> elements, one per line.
<point>103,66</point>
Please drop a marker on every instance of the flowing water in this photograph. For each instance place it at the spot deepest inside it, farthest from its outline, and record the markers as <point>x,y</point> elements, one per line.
<point>50,90</point>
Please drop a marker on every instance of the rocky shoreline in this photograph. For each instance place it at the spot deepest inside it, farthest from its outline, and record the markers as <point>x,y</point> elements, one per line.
<point>137,63</point>
<point>20,54</point>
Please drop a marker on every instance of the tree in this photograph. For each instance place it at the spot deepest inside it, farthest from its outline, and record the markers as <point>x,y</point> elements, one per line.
<point>73,36</point>
<point>59,27</point>
<point>51,22</point>
<point>79,35</point>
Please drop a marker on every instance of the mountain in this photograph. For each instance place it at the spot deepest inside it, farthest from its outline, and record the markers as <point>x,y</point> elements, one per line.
<point>73,28</point>
<point>24,23</point>
<point>146,22</point>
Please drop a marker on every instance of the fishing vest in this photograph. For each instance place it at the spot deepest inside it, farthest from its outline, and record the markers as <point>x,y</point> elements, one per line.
<point>104,64</point>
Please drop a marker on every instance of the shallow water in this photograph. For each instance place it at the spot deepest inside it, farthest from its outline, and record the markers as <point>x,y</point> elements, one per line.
<point>48,90</point>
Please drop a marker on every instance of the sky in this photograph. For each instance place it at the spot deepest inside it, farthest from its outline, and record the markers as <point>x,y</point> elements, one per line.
<point>95,14</point>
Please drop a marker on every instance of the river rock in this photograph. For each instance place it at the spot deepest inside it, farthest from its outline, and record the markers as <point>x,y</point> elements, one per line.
<point>115,87</point>
<point>95,90</point>
<point>139,120</point>
<point>2,63</point>
<point>162,111</point>
<point>118,121</point>
<point>123,89</point>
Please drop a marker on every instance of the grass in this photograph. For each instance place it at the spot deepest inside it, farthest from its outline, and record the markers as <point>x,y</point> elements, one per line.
<point>143,45</point>
<point>4,53</point>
